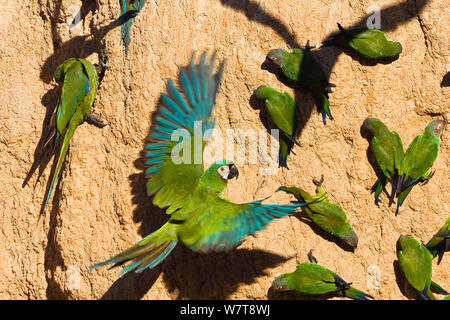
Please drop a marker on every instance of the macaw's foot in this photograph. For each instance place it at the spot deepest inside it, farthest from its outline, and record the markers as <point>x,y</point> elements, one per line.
<point>311,257</point>
<point>427,179</point>
<point>318,182</point>
<point>92,119</point>
<point>377,202</point>
<point>308,46</point>
<point>329,87</point>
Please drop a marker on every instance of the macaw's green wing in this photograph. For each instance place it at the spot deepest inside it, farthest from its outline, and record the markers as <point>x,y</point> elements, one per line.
<point>174,168</point>
<point>312,279</point>
<point>437,244</point>
<point>373,44</point>
<point>282,110</point>
<point>416,263</point>
<point>74,90</point>
<point>222,225</point>
<point>384,157</point>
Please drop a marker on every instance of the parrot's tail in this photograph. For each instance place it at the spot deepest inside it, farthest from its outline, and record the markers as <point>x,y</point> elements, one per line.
<point>402,198</point>
<point>285,149</point>
<point>62,155</point>
<point>147,253</point>
<point>322,103</point>
<point>356,294</point>
<point>378,188</point>
<point>437,288</point>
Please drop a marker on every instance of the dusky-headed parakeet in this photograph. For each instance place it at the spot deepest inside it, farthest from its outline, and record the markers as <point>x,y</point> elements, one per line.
<point>415,261</point>
<point>301,67</point>
<point>387,148</point>
<point>312,279</point>
<point>371,43</point>
<point>283,113</point>
<point>327,215</point>
<point>199,216</point>
<point>418,159</point>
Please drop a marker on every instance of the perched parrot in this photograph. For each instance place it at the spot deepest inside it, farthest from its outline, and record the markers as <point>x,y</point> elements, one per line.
<point>129,9</point>
<point>328,216</point>
<point>371,43</point>
<point>419,157</point>
<point>387,148</point>
<point>313,279</point>
<point>80,83</point>
<point>440,241</point>
<point>199,216</point>
<point>416,263</point>
<point>283,112</point>
<point>301,67</point>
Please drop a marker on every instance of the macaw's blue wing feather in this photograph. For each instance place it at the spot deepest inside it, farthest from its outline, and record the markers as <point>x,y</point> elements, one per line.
<point>129,9</point>
<point>224,225</point>
<point>182,113</point>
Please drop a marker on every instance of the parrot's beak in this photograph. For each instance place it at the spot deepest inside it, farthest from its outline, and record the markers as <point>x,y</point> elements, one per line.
<point>234,172</point>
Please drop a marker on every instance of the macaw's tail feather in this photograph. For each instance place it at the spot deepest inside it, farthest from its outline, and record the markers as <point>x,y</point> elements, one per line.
<point>62,155</point>
<point>147,253</point>
<point>437,288</point>
<point>285,149</point>
<point>356,294</point>
<point>402,198</point>
<point>378,188</point>
<point>322,103</point>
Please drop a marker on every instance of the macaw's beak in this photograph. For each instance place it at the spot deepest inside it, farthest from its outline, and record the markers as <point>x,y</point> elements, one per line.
<point>234,172</point>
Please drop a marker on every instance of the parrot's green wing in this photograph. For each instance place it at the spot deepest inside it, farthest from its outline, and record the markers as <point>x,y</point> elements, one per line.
<point>373,44</point>
<point>173,183</point>
<point>416,263</point>
<point>282,109</point>
<point>388,154</point>
<point>222,225</point>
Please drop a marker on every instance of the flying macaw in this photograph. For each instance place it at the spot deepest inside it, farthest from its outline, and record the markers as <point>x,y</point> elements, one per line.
<point>199,216</point>
<point>129,9</point>
<point>283,113</point>
<point>416,263</point>
<point>387,148</point>
<point>301,67</point>
<point>418,160</point>
<point>310,278</point>
<point>440,241</point>
<point>371,43</point>
<point>327,215</point>
<point>79,86</point>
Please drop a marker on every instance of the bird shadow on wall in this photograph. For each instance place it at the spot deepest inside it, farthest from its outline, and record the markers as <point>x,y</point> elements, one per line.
<point>392,17</point>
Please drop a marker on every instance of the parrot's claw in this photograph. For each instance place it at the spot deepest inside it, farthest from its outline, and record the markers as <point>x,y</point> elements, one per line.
<point>309,46</point>
<point>427,179</point>
<point>311,257</point>
<point>318,182</point>
<point>91,119</point>
<point>377,202</point>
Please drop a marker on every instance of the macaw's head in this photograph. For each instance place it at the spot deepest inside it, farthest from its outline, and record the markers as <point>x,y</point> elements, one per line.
<point>404,242</point>
<point>436,127</point>
<point>217,175</point>
<point>276,56</point>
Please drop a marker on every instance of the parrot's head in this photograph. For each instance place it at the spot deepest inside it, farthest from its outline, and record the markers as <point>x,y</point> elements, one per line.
<point>405,241</point>
<point>280,284</point>
<point>226,169</point>
<point>218,174</point>
<point>276,56</point>
<point>436,127</point>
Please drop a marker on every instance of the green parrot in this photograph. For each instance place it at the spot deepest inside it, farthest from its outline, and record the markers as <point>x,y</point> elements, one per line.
<point>371,43</point>
<point>310,278</point>
<point>440,241</point>
<point>199,216</point>
<point>419,157</point>
<point>283,112</point>
<point>328,216</point>
<point>416,263</point>
<point>80,83</point>
<point>129,9</point>
<point>301,67</point>
<point>387,148</point>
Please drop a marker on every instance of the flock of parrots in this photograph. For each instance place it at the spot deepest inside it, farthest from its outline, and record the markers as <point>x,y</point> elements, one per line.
<point>199,216</point>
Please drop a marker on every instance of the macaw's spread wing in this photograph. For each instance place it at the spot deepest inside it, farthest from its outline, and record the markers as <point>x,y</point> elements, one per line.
<point>373,43</point>
<point>173,175</point>
<point>222,225</point>
<point>76,87</point>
